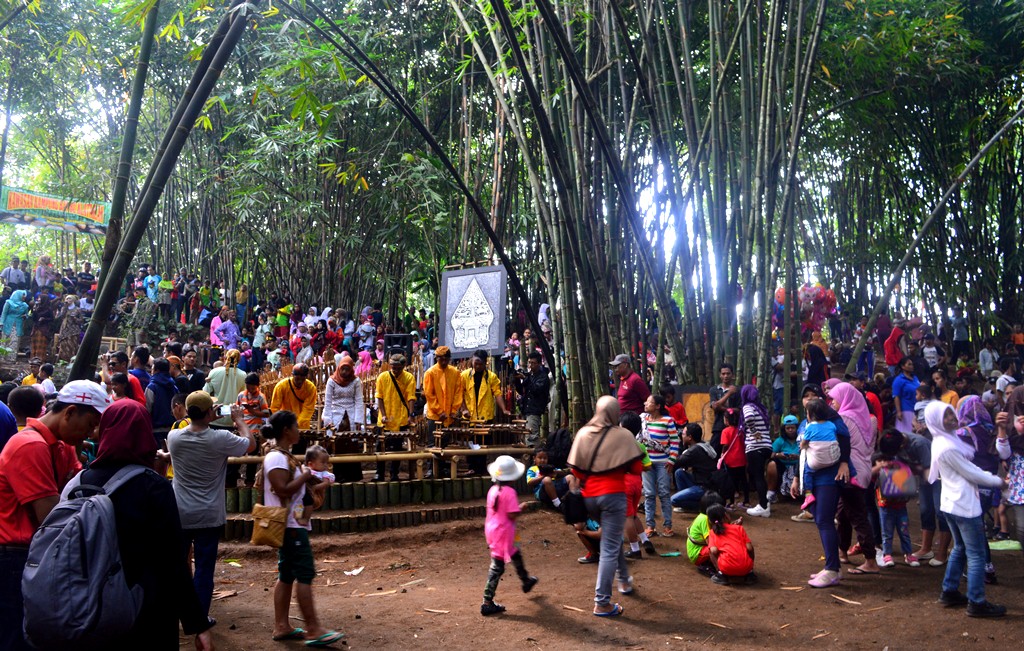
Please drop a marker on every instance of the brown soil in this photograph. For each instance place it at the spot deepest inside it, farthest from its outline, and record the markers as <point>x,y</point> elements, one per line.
<point>443,567</point>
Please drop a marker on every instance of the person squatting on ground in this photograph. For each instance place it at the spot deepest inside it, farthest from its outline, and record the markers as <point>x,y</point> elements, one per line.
<point>500,529</point>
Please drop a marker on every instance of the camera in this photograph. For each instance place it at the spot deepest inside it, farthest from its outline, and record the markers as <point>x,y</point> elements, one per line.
<point>225,410</point>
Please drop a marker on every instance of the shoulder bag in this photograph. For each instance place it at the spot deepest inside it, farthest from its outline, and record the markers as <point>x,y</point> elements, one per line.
<point>574,509</point>
<point>269,522</point>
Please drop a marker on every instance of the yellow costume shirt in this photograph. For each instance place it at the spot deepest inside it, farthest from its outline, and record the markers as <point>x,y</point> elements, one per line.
<point>300,400</point>
<point>443,390</point>
<point>481,406</point>
<point>396,404</point>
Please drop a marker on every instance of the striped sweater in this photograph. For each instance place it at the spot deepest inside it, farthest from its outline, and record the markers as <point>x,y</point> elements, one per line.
<point>757,435</point>
<point>660,438</point>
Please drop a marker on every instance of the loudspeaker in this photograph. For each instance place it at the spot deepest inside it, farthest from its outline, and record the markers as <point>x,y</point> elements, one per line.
<point>399,344</point>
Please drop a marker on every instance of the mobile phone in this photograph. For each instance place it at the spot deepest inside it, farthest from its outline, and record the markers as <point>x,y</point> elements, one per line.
<point>225,410</point>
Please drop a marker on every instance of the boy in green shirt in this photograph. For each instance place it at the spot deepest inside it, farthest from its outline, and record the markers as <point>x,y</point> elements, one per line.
<point>697,535</point>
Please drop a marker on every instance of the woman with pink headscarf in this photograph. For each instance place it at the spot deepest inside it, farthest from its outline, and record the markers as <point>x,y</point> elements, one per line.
<point>855,494</point>
<point>365,363</point>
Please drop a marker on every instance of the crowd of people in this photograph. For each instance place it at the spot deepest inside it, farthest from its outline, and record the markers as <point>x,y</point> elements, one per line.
<point>852,452</point>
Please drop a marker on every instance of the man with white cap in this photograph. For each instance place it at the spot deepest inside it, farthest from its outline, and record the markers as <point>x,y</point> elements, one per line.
<point>34,467</point>
<point>633,391</point>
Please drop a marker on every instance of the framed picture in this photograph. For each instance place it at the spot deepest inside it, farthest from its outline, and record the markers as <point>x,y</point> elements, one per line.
<point>473,310</point>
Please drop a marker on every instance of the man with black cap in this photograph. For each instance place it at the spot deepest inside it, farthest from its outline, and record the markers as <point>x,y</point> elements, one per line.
<point>482,398</point>
<point>396,396</point>
<point>633,391</point>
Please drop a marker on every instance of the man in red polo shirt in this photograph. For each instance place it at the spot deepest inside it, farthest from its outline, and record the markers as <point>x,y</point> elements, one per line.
<point>633,391</point>
<point>35,465</point>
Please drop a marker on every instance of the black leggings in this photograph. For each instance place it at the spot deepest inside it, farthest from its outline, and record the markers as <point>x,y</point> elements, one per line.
<point>756,462</point>
<point>740,485</point>
<point>498,568</point>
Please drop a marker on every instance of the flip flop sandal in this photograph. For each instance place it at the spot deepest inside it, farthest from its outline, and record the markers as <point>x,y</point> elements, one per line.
<point>294,634</point>
<point>614,612</point>
<point>327,639</point>
<point>858,571</point>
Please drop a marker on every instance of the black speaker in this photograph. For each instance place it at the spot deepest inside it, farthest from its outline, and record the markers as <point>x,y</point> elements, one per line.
<point>399,344</point>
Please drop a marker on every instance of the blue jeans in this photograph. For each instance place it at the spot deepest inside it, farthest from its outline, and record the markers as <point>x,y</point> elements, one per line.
<point>826,501</point>
<point>12,564</point>
<point>895,518</point>
<point>657,485</point>
<point>204,552</point>
<point>928,494</point>
<point>610,511</point>
<point>689,493</point>
<point>969,550</point>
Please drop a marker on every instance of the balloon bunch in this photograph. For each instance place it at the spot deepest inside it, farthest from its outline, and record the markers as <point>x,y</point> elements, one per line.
<point>817,304</point>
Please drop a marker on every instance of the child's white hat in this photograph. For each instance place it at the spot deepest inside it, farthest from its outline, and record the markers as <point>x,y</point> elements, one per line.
<point>505,468</point>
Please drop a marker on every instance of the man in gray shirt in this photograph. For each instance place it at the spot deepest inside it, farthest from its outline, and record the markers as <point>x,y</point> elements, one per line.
<point>200,458</point>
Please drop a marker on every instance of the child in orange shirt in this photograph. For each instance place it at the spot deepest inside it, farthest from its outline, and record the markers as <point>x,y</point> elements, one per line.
<point>729,547</point>
<point>254,404</point>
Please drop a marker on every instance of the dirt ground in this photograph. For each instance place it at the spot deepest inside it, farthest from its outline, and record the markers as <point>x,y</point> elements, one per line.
<point>443,567</point>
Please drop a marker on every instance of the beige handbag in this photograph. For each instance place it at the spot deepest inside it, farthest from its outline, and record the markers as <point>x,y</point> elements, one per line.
<point>268,525</point>
<point>269,522</point>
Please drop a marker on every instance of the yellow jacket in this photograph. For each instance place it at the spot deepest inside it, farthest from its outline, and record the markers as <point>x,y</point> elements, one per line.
<point>396,405</point>
<point>301,401</point>
<point>443,390</point>
<point>481,407</point>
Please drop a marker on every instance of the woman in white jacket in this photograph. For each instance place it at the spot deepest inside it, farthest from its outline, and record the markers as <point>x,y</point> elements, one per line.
<point>343,401</point>
<point>960,504</point>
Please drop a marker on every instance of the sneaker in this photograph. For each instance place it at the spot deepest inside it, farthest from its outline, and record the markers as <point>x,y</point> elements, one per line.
<point>985,609</point>
<point>649,548</point>
<point>492,608</point>
<point>707,569</point>
<point>934,562</point>
<point>912,560</point>
<point>853,551</point>
<point>529,583</point>
<point>803,516</point>
<point>678,509</point>
<point>773,497</point>
<point>952,598</point>
<point>750,579</point>
<point>633,555</point>
<point>879,558</point>
<point>667,532</point>
<point>588,559</point>
<point>887,561</point>
<point>719,579</point>
<point>759,511</point>
<point>1001,535</point>
<point>808,500</point>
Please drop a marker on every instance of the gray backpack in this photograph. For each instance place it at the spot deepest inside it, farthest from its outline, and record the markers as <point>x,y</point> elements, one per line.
<point>73,586</point>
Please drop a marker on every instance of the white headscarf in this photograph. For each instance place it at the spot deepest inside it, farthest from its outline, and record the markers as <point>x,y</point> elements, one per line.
<point>944,441</point>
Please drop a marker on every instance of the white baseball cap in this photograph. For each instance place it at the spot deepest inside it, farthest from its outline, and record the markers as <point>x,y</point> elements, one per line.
<point>84,392</point>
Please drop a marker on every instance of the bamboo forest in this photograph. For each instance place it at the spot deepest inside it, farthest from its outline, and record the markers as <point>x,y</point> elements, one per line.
<point>686,182</point>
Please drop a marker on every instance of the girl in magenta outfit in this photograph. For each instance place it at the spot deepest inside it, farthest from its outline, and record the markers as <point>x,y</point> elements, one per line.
<point>500,530</point>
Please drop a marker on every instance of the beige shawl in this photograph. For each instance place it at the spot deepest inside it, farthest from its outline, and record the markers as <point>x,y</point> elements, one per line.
<point>619,447</point>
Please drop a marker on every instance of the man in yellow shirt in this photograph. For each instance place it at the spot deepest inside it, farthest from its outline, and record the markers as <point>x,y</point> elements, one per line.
<point>32,377</point>
<point>481,395</point>
<point>396,396</point>
<point>296,394</point>
<point>481,390</point>
<point>442,388</point>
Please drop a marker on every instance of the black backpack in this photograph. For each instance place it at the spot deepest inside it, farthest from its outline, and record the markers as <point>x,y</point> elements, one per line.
<point>558,447</point>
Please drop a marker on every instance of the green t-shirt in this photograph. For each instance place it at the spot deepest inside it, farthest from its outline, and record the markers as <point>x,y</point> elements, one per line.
<point>699,530</point>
